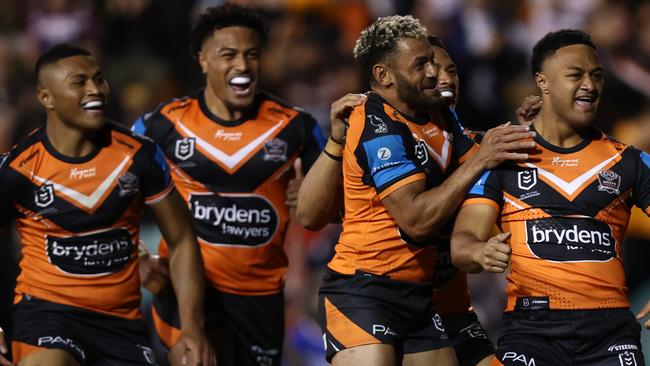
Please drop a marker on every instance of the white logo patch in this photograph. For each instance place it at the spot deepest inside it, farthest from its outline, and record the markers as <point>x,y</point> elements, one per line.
<point>221,134</point>
<point>82,173</point>
<point>564,162</point>
<point>627,358</point>
<point>609,182</point>
<point>185,148</point>
<point>437,322</point>
<point>44,196</point>
<point>421,152</point>
<point>527,179</point>
<point>380,126</point>
<point>275,150</point>
<point>384,153</point>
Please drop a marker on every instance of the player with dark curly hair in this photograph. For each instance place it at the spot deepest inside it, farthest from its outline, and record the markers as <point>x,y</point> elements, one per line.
<point>232,150</point>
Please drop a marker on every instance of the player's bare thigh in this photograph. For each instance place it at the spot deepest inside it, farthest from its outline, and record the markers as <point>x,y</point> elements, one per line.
<point>369,355</point>
<point>440,357</point>
<point>50,357</point>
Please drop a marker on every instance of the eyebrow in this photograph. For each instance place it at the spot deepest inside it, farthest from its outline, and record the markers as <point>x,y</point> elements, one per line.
<point>580,69</point>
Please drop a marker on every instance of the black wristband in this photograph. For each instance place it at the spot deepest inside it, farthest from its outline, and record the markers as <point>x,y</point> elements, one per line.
<point>332,156</point>
<point>336,141</point>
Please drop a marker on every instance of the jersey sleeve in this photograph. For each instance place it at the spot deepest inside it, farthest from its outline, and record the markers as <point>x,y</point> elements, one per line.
<point>385,153</point>
<point>487,190</point>
<point>464,145</point>
<point>153,125</point>
<point>6,203</point>
<point>156,179</point>
<point>642,187</point>
<point>313,141</point>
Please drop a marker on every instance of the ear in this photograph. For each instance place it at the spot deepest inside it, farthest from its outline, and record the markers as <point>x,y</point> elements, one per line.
<point>382,75</point>
<point>45,97</point>
<point>203,62</point>
<point>542,82</point>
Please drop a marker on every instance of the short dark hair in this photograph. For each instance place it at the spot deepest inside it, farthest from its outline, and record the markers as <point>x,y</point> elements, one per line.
<point>435,41</point>
<point>228,15</point>
<point>59,52</point>
<point>553,41</point>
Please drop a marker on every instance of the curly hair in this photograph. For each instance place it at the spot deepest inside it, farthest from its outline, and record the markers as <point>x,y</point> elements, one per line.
<point>380,39</point>
<point>228,15</point>
<point>553,41</point>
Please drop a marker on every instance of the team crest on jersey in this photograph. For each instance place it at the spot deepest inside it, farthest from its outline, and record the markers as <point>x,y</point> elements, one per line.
<point>275,150</point>
<point>129,183</point>
<point>380,126</point>
<point>609,181</point>
<point>421,152</point>
<point>44,196</point>
<point>527,179</point>
<point>185,148</point>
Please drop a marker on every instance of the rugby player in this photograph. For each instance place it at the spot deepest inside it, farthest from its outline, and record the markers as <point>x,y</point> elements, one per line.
<point>563,215</point>
<point>231,148</point>
<point>77,187</point>
<point>399,191</point>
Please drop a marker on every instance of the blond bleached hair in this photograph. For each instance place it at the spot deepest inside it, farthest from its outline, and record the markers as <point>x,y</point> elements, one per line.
<point>380,39</point>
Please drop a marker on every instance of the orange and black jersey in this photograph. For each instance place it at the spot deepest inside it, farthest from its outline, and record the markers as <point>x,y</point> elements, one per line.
<point>567,210</point>
<point>386,150</point>
<point>78,218</point>
<point>234,175</point>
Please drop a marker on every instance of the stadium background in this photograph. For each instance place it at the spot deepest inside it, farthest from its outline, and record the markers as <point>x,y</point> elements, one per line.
<point>143,48</point>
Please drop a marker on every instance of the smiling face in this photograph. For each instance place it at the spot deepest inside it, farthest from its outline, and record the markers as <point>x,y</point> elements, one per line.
<point>230,59</point>
<point>73,91</point>
<point>572,79</point>
<point>415,73</point>
<point>447,77</point>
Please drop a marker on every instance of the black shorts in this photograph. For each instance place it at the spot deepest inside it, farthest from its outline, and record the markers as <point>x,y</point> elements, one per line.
<point>368,309</point>
<point>92,338</point>
<point>255,324</point>
<point>469,339</point>
<point>607,337</point>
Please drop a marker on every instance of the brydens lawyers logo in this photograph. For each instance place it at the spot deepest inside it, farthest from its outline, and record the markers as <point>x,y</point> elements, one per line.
<point>609,181</point>
<point>185,148</point>
<point>44,196</point>
<point>527,179</point>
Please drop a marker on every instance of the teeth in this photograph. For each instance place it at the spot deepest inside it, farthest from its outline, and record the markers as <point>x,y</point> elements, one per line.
<point>93,104</point>
<point>240,80</point>
<point>447,94</point>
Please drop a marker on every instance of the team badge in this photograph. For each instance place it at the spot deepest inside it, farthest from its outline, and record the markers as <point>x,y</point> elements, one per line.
<point>609,181</point>
<point>421,152</point>
<point>44,196</point>
<point>185,148</point>
<point>380,126</point>
<point>275,150</point>
<point>129,183</point>
<point>527,179</point>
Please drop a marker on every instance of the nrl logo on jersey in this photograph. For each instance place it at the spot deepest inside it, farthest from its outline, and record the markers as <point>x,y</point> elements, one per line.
<point>44,196</point>
<point>380,126</point>
<point>609,181</point>
<point>275,150</point>
<point>421,152</point>
<point>185,148</point>
<point>527,179</point>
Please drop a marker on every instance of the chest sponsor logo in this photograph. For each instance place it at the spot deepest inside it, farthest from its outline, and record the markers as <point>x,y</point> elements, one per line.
<point>609,181</point>
<point>379,125</point>
<point>97,253</point>
<point>571,240</point>
<point>275,150</point>
<point>129,184</point>
<point>44,196</point>
<point>421,152</point>
<point>527,179</point>
<point>221,134</point>
<point>82,173</point>
<point>185,148</point>
<point>234,220</point>
<point>561,162</point>
<point>384,153</point>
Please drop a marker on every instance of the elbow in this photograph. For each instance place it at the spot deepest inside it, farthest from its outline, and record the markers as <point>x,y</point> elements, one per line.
<point>308,220</point>
<point>460,258</point>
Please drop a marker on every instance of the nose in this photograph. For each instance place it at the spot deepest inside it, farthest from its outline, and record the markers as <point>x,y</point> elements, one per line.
<point>430,70</point>
<point>240,63</point>
<point>587,83</point>
<point>94,87</point>
<point>443,78</point>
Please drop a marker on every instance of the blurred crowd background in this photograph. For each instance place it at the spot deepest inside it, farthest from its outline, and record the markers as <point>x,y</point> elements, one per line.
<point>143,47</point>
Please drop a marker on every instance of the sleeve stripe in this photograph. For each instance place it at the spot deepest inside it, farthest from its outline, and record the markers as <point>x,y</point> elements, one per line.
<point>481,201</point>
<point>401,183</point>
<point>151,200</point>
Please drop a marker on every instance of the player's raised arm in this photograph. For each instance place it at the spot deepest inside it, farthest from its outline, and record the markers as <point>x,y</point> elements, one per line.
<point>186,269</point>
<point>321,193</point>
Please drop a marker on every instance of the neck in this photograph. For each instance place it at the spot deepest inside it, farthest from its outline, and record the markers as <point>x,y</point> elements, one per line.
<point>70,141</point>
<point>218,107</point>
<point>556,131</point>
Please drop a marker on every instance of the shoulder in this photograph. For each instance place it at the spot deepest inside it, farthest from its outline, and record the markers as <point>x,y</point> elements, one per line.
<point>276,105</point>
